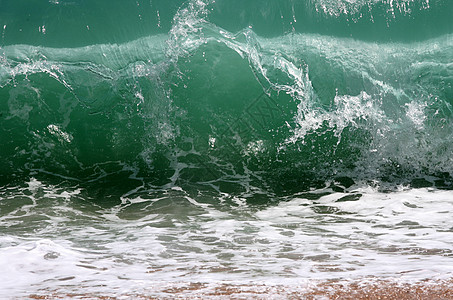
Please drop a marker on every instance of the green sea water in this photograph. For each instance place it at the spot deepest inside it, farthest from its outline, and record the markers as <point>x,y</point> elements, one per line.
<point>281,95</point>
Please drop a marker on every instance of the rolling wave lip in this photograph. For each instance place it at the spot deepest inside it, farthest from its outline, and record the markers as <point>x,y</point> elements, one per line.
<point>28,59</point>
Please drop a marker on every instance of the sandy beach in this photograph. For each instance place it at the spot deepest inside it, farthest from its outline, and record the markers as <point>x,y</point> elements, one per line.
<point>366,290</point>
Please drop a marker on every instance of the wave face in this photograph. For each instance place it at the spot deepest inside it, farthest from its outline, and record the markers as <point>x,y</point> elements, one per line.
<point>264,97</point>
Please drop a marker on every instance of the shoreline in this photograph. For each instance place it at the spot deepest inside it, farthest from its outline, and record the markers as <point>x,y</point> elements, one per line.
<point>356,289</point>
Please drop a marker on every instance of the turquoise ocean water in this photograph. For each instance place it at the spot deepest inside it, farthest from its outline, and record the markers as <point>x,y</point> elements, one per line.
<point>146,143</point>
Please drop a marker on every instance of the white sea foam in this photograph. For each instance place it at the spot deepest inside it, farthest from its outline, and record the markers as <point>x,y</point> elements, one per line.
<point>56,240</point>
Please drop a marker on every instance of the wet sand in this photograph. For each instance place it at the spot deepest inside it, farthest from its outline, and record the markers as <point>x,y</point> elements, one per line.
<point>376,289</point>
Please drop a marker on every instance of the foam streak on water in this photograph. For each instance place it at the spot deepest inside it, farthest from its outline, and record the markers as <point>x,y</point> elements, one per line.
<point>404,235</point>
